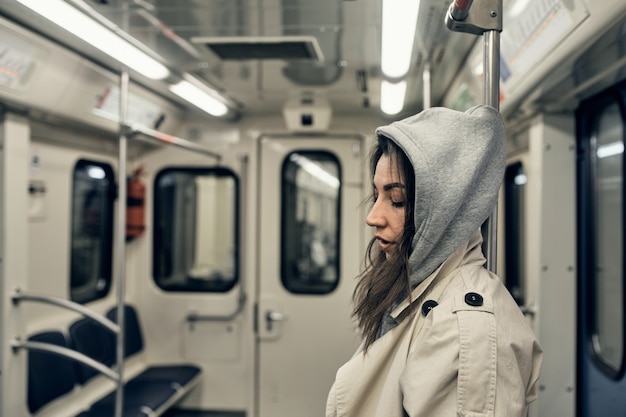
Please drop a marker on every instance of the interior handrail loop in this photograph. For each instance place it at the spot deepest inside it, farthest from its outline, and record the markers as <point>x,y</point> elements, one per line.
<point>18,295</point>
<point>17,344</point>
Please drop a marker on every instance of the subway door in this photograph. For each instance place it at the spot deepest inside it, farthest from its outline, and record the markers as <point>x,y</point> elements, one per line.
<point>310,250</point>
<point>601,286</point>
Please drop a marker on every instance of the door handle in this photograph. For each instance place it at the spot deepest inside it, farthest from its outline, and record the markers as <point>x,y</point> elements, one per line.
<point>272,316</point>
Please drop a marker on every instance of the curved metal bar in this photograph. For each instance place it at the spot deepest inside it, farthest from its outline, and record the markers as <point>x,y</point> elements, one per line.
<point>193,316</point>
<point>67,353</point>
<point>18,296</point>
<point>172,140</point>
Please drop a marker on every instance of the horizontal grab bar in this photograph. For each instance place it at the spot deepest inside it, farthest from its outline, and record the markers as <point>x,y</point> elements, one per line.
<point>18,295</point>
<point>193,316</point>
<point>172,140</point>
<point>67,353</point>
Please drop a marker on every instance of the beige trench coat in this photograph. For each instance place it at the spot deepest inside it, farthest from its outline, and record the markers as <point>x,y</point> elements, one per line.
<point>473,355</point>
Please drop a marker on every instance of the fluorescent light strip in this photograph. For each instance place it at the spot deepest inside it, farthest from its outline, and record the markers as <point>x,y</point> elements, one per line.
<point>610,149</point>
<point>81,25</point>
<point>315,170</point>
<point>392,96</point>
<point>398,33</point>
<point>194,92</point>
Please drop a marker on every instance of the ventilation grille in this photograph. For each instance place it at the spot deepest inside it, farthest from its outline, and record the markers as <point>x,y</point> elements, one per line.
<point>244,48</point>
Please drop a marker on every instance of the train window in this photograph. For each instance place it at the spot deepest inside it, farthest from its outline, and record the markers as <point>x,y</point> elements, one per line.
<point>196,229</point>
<point>92,231</point>
<point>514,195</point>
<point>604,174</point>
<point>311,190</point>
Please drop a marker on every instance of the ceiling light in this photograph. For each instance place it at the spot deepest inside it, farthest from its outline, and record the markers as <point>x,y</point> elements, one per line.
<point>610,149</point>
<point>89,30</point>
<point>392,96</point>
<point>398,33</point>
<point>315,170</point>
<point>199,95</point>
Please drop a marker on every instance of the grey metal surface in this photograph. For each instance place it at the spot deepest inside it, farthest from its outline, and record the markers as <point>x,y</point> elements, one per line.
<point>348,34</point>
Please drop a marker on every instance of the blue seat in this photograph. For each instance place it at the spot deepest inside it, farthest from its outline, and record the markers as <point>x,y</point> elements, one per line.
<point>180,374</point>
<point>151,394</point>
<point>97,342</point>
<point>49,375</point>
<point>152,388</point>
<point>94,340</point>
<point>133,338</point>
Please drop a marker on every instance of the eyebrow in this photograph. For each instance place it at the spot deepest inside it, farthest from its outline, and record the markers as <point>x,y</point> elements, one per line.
<point>388,187</point>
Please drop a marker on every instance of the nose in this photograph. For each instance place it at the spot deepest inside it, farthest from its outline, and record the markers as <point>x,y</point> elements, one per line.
<point>375,217</point>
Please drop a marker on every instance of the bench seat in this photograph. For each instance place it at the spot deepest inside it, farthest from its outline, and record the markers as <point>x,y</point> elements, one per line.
<point>150,393</point>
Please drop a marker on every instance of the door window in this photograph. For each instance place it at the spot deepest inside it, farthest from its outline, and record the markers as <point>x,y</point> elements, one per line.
<point>93,194</point>
<point>607,150</point>
<point>196,229</point>
<point>311,190</point>
<point>602,213</point>
<point>514,225</point>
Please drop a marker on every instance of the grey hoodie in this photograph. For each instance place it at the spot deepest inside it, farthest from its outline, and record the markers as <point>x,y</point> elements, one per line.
<point>459,162</point>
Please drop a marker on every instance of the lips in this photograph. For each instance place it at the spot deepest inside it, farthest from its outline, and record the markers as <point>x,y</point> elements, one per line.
<point>385,245</point>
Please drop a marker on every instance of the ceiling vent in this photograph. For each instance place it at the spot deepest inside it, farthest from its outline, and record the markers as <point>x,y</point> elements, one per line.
<point>255,47</point>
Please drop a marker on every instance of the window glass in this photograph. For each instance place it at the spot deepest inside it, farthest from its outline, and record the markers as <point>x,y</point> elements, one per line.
<point>93,194</point>
<point>196,229</point>
<point>514,224</point>
<point>311,190</point>
<point>607,145</point>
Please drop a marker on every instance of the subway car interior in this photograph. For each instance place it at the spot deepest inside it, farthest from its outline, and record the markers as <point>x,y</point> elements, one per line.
<point>183,189</point>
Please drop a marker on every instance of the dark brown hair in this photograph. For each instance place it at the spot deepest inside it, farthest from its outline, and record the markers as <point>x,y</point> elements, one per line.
<point>385,281</point>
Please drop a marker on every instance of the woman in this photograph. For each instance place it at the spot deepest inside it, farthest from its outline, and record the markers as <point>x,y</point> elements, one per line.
<point>441,334</point>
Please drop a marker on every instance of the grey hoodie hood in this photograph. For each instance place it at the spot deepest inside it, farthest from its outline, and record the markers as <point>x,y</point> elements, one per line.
<point>459,162</point>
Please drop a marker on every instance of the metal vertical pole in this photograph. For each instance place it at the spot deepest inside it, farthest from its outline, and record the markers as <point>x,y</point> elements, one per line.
<point>491,97</point>
<point>484,18</point>
<point>491,64</point>
<point>426,82</point>
<point>120,240</point>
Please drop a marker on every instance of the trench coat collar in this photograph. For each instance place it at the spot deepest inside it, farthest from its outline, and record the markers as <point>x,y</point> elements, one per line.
<point>468,253</point>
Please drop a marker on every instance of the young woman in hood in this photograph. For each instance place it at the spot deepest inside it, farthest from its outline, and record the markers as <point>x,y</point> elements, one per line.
<point>441,334</point>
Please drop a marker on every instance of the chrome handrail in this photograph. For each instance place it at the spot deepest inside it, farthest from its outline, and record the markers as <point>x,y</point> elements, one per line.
<point>138,129</point>
<point>194,316</point>
<point>18,295</point>
<point>16,344</point>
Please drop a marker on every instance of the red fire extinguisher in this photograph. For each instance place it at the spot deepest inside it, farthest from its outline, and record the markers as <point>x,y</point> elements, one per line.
<point>135,205</point>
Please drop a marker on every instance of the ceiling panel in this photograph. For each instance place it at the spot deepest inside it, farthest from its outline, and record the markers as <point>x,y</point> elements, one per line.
<point>348,34</point>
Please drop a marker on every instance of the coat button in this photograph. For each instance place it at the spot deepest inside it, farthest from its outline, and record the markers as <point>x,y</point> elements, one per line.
<point>474,299</point>
<point>427,306</point>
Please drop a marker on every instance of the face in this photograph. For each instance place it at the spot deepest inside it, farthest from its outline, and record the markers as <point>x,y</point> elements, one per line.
<point>388,213</point>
